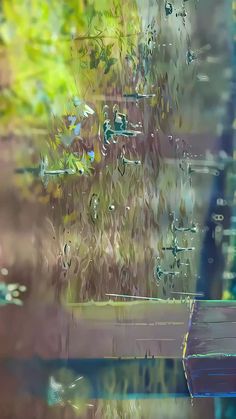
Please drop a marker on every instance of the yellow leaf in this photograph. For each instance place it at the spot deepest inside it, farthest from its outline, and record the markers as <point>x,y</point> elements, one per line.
<point>69,218</point>
<point>97,152</point>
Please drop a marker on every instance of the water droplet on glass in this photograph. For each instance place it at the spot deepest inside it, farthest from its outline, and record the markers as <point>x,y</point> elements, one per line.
<point>4,271</point>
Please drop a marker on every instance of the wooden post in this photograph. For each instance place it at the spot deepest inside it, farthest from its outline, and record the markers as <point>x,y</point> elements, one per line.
<point>210,351</point>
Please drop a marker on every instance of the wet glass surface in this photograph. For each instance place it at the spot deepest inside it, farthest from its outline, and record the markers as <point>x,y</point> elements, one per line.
<point>117,181</point>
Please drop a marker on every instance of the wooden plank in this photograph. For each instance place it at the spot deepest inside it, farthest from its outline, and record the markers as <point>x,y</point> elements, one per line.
<point>136,328</point>
<point>210,361</point>
<point>124,312</point>
<point>94,330</point>
<point>208,312</point>
<point>211,376</point>
<point>213,330</point>
<point>225,346</point>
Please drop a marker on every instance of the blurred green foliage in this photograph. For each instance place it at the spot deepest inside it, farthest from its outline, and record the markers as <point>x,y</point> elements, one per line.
<point>46,50</point>
<point>37,42</point>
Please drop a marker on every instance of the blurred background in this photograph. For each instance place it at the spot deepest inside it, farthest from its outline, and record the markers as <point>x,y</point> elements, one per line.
<point>99,229</point>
